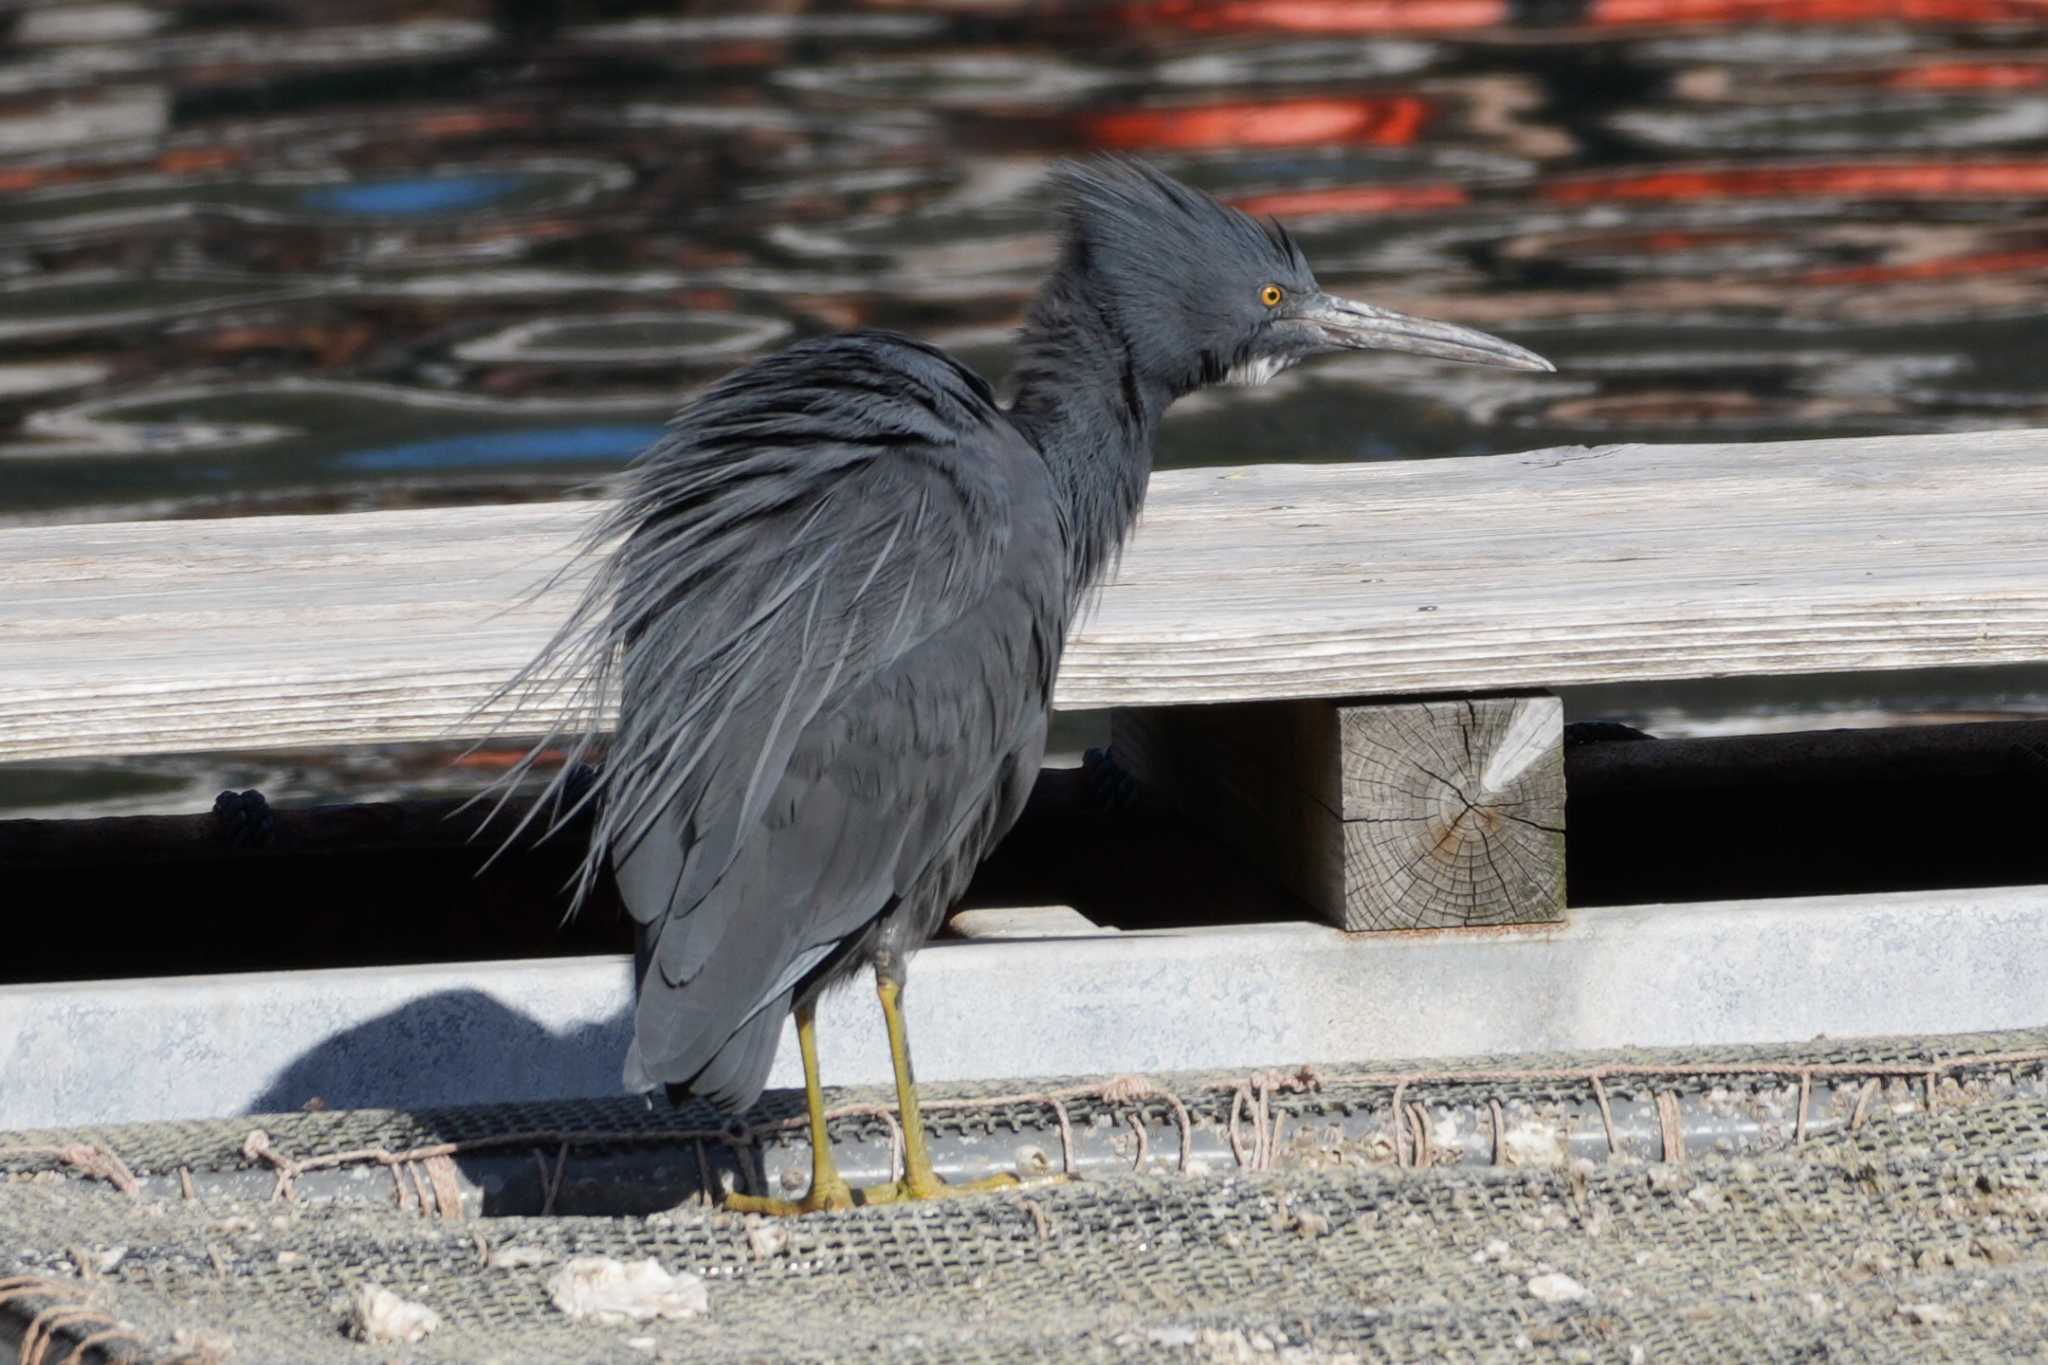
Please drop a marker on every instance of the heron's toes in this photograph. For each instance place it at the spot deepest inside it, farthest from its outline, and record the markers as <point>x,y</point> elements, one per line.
<point>840,1197</point>
<point>916,1191</point>
<point>833,1198</point>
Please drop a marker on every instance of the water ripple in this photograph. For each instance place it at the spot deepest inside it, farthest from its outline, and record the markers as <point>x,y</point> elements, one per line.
<point>266,261</point>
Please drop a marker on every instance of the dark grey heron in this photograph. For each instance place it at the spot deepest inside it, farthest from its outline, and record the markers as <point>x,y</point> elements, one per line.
<point>840,590</point>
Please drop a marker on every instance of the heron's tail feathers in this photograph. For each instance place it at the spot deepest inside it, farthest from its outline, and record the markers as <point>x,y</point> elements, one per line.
<point>729,1074</point>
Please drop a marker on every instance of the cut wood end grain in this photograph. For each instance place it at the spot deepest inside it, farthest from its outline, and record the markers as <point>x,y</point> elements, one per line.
<point>1453,813</point>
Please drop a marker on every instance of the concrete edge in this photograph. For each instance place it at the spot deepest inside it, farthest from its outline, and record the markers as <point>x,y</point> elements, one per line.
<point>1249,996</point>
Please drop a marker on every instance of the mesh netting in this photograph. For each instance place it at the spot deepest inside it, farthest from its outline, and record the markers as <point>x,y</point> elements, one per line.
<point>1874,1200</point>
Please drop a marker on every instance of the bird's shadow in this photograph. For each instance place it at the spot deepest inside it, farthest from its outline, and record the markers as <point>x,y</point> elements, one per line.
<point>457,1066</point>
<point>455,1047</point>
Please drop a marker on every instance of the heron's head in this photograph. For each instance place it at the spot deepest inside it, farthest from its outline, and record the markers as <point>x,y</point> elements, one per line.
<point>1202,293</point>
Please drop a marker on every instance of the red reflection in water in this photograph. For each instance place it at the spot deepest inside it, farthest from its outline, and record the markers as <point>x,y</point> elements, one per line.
<point>1635,12</point>
<point>1949,268</point>
<point>1997,180</point>
<point>13,180</point>
<point>1392,121</point>
<point>496,760</point>
<point>1354,199</point>
<point>188,160</point>
<point>178,161</point>
<point>1967,76</point>
<point>1325,16</point>
<point>468,122</point>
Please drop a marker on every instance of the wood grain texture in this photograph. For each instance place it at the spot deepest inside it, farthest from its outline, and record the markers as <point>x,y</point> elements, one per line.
<point>1453,813</point>
<point>1436,577</point>
<point>1379,816</point>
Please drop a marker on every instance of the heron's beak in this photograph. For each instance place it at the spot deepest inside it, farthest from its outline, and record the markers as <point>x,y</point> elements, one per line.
<point>1343,324</point>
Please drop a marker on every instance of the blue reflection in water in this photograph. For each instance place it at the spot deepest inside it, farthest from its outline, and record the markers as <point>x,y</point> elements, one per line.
<point>524,445</point>
<point>410,195</point>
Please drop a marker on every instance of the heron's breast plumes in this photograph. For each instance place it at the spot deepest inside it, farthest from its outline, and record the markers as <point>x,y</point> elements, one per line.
<point>1255,370</point>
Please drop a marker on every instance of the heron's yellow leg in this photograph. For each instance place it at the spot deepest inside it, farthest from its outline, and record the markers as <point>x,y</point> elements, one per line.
<point>919,1180</point>
<point>828,1190</point>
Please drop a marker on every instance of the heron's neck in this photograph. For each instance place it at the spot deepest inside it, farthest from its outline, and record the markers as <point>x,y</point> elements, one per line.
<point>1089,407</point>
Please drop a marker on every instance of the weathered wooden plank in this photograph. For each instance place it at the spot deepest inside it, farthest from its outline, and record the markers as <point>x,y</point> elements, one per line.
<point>1445,814</point>
<point>1450,576</point>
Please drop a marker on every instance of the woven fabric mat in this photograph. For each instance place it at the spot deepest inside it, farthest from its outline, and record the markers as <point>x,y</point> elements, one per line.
<point>1877,1200</point>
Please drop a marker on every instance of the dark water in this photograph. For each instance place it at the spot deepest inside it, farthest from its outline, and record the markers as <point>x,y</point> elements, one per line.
<point>263,257</point>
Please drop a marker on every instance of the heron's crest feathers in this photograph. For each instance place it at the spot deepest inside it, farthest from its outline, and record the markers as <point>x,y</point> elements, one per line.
<point>1127,216</point>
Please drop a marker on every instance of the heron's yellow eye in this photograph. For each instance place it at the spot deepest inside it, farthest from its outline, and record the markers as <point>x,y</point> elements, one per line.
<point>1271,295</point>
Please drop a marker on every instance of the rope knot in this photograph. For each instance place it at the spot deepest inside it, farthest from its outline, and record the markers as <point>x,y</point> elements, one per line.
<point>256,1147</point>
<point>1127,1090</point>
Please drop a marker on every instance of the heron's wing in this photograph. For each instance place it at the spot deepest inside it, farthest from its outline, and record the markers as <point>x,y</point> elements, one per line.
<point>809,525</point>
<point>813,518</point>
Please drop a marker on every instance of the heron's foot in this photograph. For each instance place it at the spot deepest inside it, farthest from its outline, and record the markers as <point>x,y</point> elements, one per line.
<point>835,1197</point>
<point>916,1191</point>
<point>840,1197</point>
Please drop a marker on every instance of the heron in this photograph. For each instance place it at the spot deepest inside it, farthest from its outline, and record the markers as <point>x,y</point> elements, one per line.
<point>833,597</point>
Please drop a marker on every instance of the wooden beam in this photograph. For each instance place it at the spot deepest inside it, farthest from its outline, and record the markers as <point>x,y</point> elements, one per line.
<point>1510,572</point>
<point>1445,814</point>
<point>1453,812</point>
